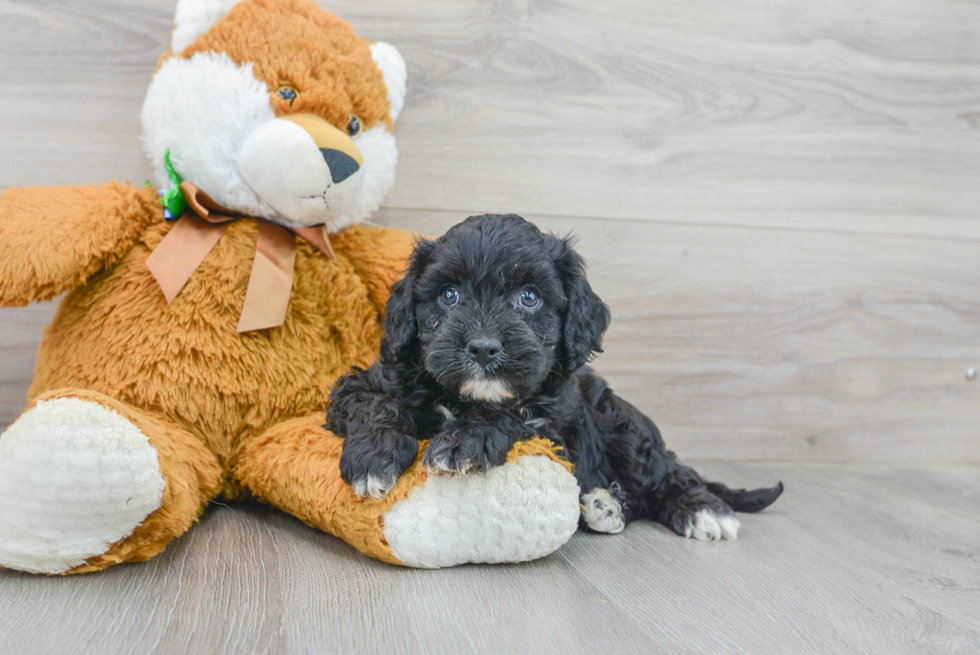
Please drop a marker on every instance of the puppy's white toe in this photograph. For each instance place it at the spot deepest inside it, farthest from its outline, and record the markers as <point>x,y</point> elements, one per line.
<point>729,527</point>
<point>709,526</point>
<point>441,466</point>
<point>373,486</point>
<point>602,512</point>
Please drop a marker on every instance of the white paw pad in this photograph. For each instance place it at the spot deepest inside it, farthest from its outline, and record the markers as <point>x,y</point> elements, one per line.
<point>708,526</point>
<point>602,512</point>
<point>512,513</point>
<point>75,477</point>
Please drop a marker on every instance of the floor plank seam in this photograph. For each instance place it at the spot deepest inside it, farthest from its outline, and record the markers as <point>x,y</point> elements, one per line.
<point>713,224</point>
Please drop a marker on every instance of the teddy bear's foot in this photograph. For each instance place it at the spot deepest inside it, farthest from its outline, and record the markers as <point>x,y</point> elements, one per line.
<point>520,511</point>
<point>79,476</point>
<point>75,477</point>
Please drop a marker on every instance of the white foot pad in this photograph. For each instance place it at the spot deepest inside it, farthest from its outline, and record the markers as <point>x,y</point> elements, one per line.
<point>75,477</point>
<point>511,513</point>
<point>708,526</point>
<point>602,512</point>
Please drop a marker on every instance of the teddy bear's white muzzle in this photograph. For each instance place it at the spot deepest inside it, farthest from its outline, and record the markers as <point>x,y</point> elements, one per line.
<point>304,171</point>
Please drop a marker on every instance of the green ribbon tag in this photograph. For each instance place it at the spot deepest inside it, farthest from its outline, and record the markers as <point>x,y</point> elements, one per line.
<point>173,201</point>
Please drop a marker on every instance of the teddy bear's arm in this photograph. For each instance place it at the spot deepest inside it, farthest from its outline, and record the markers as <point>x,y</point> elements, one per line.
<point>378,254</point>
<point>53,239</point>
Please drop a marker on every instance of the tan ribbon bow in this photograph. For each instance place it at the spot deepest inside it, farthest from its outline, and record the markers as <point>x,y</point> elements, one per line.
<point>197,232</point>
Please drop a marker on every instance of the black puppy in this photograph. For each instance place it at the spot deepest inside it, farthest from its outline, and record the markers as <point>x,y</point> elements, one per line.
<point>486,340</point>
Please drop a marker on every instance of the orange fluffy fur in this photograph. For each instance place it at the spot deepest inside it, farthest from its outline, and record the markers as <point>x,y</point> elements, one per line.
<point>316,52</point>
<point>198,389</point>
<point>228,413</point>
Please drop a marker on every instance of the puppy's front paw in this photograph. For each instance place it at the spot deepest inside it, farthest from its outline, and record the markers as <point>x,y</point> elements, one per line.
<point>466,448</point>
<point>372,465</point>
<point>448,456</point>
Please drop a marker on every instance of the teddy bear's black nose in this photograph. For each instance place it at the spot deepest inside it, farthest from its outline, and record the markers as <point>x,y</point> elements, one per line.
<point>341,164</point>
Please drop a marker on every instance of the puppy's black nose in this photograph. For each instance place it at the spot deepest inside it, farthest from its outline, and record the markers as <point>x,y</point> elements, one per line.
<point>484,351</point>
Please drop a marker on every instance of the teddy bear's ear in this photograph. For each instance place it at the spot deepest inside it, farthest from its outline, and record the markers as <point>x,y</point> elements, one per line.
<point>195,17</point>
<point>392,66</point>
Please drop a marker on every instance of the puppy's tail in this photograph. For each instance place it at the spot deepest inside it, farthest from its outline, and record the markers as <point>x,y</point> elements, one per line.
<point>746,500</point>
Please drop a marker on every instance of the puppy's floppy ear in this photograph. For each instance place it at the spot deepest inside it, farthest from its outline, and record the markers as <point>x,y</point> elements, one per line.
<point>586,316</point>
<point>401,329</point>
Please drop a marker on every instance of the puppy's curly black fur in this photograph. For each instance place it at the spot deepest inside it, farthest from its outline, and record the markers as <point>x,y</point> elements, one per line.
<point>486,341</point>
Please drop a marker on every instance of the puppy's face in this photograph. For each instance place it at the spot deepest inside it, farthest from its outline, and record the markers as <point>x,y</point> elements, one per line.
<point>494,307</point>
<point>489,308</point>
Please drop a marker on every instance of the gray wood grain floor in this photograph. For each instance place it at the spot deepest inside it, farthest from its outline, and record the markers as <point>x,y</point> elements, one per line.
<point>779,200</point>
<point>853,559</point>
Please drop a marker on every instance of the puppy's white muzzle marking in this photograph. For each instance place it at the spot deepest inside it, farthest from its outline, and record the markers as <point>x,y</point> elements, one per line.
<point>492,391</point>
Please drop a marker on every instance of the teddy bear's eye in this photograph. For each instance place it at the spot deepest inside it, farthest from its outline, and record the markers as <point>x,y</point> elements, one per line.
<point>287,93</point>
<point>354,126</point>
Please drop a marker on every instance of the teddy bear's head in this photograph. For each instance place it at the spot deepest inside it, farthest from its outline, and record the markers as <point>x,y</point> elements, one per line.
<point>276,109</point>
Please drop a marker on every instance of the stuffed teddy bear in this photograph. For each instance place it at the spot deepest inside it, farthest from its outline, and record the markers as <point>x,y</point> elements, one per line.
<point>203,326</point>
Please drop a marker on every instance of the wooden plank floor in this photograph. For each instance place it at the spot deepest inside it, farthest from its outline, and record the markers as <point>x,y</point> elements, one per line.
<point>779,200</point>
<point>853,559</point>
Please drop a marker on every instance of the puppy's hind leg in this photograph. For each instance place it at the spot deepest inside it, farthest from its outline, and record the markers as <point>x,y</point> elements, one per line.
<point>685,505</point>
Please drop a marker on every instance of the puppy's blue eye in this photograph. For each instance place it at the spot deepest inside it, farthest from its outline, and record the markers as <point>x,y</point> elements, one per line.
<point>448,298</point>
<point>529,299</point>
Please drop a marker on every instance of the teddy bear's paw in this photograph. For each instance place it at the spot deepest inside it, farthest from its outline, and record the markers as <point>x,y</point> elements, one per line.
<point>511,513</point>
<point>75,478</point>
